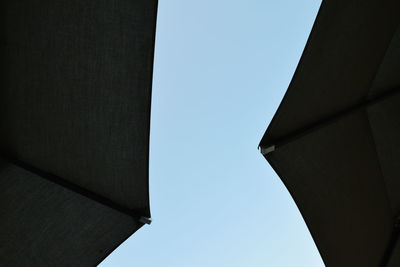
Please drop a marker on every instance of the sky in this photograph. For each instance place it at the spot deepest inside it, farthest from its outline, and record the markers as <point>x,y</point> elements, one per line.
<point>220,71</point>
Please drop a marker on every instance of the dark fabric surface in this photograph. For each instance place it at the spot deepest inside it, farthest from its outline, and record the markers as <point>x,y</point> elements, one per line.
<point>336,133</point>
<point>395,259</point>
<point>339,63</point>
<point>75,99</point>
<point>76,91</point>
<point>387,77</point>
<point>334,176</point>
<point>43,224</point>
<point>385,125</point>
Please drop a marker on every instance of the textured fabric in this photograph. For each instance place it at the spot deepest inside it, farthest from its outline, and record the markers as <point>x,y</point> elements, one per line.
<point>387,77</point>
<point>43,224</point>
<point>334,176</point>
<point>336,133</point>
<point>76,92</point>
<point>395,259</point>
<point>75,98</point>
<point>385,126</point>
<point>339,63</point>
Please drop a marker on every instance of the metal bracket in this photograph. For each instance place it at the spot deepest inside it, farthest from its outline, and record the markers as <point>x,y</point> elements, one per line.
<point>267,150</point>
<point>145,220</point>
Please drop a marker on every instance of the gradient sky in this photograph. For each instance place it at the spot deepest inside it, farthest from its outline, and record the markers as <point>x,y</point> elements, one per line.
<point>221,69</point>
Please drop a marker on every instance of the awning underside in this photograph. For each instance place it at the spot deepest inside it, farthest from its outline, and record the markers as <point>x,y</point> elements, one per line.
<point>336,133</point>
<point>75,98</point>
<point>45,224</point>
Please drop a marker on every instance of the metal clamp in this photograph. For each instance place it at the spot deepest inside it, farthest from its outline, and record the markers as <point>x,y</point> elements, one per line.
<point>145,220</point>
<point>267,150</point>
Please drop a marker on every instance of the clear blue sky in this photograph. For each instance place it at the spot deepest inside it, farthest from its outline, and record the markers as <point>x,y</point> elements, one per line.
<point>221,69</point>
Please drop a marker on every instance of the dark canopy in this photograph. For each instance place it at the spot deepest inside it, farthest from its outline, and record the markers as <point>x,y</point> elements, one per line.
<point>334,140</point>
<point>74,128</point>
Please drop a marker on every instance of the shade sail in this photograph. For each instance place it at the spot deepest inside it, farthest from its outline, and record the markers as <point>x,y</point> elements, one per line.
<point>334,139</point>
<point>74,128</point>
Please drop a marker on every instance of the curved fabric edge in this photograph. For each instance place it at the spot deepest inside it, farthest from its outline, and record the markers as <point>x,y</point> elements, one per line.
<point>46,224</point>
<point>270,137</point>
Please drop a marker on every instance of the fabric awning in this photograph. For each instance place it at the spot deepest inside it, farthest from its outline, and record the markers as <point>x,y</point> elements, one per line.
<point>74,128</point>
<point>334,139</point>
